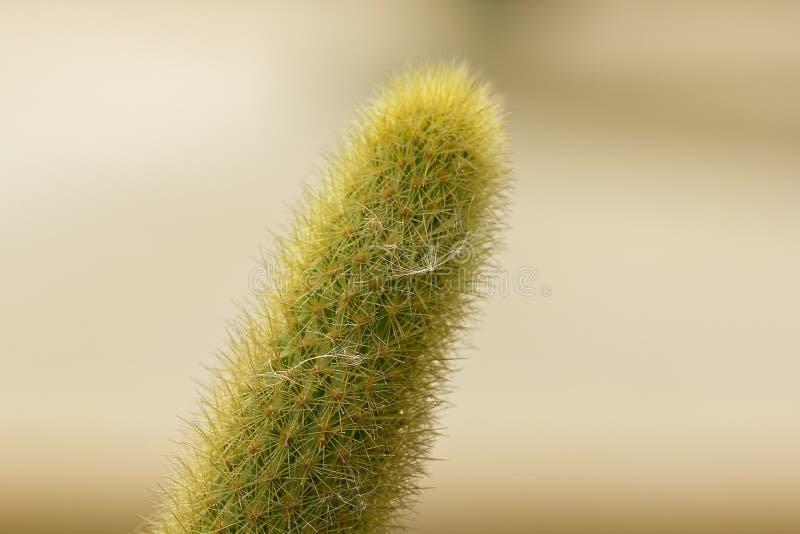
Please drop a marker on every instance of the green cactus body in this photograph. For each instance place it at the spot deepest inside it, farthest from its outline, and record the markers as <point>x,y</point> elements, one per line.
<point>322,413</point>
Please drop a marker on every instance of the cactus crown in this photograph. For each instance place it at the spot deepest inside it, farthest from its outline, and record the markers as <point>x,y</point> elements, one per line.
<point>322,411</point>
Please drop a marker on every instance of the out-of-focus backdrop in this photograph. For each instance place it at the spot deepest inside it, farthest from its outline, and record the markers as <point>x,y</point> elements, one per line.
<point>646,380</point>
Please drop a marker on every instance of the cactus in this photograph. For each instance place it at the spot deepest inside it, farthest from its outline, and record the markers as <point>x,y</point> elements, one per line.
<point>322,412</point>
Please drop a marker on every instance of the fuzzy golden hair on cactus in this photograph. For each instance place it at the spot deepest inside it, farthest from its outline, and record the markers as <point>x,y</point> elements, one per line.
<point>322,412</point>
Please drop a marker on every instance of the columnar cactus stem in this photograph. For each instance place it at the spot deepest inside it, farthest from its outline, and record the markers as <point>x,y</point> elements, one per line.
<point>322,412</point>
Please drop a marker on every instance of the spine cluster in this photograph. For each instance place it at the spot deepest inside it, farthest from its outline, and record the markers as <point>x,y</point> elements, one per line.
<point>321,413</point>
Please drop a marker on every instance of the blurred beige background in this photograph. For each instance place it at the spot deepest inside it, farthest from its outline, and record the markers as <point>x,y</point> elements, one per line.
<point>145,148</point>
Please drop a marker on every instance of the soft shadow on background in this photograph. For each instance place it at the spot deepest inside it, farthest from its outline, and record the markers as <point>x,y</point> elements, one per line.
<point>651,384</point>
